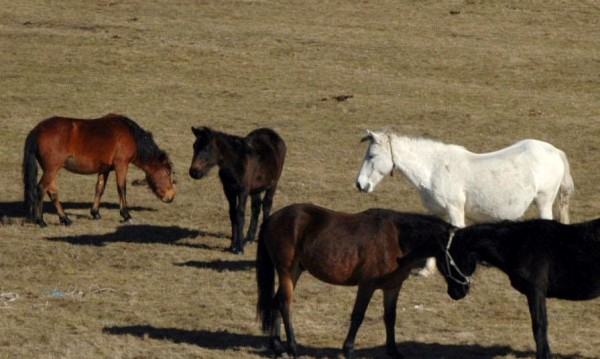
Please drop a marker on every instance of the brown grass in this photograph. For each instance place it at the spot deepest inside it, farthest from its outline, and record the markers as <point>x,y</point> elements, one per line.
<point>477,73</point>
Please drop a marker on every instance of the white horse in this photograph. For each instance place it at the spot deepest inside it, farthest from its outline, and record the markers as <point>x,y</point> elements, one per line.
<point>456,184</point>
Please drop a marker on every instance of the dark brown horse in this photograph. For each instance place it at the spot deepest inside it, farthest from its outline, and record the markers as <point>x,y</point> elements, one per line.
<point>248,166</point>
<point>373,250</point>
<point>89,147</point>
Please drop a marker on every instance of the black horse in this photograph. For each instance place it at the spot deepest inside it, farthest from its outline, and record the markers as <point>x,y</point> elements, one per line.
<point>248,166</point>
<point>542,258</point>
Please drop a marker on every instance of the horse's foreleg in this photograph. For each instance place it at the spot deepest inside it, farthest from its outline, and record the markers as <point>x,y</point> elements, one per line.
<point>100,186</point>
<point>121,174</point>
<point>256,204</point>
<point>237,245</point>
<point>363,297</point>
<point>390,300</point>
<point>456,215</point>
<point>235,206</point>
<point>539,323</point>
<point>39,205</point>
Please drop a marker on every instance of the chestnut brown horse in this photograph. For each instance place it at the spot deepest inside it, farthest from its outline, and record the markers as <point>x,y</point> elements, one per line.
<point>248,166</point>
<point>375,249</point>
<point>89,147</point>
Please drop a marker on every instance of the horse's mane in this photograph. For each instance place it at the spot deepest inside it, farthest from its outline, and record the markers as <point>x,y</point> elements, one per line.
<point>428,142</point>
<point>147,149</point>
<point>234,143</point>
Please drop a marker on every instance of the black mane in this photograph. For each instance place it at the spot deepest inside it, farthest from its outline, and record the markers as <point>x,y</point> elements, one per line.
<point>147,149</point>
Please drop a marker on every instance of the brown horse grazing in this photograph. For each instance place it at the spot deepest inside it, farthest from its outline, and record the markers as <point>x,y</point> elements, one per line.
<point>248,166</point>
<point>88,147</point>
<point>375,249</point>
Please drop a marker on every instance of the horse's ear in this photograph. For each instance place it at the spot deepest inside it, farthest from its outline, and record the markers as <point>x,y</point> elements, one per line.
<point>368,137</point>
<point>198,131</point>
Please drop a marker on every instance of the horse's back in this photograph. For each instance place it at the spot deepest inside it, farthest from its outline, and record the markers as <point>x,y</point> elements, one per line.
<point>267,140</point>
<point>84,145</point>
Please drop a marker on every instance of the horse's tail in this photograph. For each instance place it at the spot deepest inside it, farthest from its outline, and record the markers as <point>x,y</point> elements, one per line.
<point>566,190</point>
<point>30,171</point>
<point>265,280</point>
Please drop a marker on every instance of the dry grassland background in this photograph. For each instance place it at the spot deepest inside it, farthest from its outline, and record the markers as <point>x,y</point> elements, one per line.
<point>482,74</point>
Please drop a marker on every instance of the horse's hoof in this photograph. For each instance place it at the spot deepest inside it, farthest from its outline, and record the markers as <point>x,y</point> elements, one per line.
<point>96,215</point>
<point>238,251</point>
<point>41,223</point>
<point>66,221</point>
<point>277,347</point>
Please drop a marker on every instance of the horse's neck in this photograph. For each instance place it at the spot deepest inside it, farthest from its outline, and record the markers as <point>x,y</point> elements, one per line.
<point>487,246</point>
<point>229,148</point>
<point>417,158</point>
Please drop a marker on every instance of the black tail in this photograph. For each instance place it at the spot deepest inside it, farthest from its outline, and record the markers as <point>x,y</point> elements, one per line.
<point>30,170</point>
<point>265,280</point>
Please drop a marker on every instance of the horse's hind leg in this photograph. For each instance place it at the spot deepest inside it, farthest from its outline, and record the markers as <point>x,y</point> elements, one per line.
<point>256,204</point>
<point>100,186</point>
<point>544,203</point>
<point>268,201</point>
<point>287,282</point>
<point>363,297</point>
<point>237,208</point>
<point>53,194</point>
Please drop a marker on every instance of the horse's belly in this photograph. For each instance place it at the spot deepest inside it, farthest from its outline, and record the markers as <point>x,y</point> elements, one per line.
<point>337,276</point>
<point>82,166</point>
<point>485,208</point>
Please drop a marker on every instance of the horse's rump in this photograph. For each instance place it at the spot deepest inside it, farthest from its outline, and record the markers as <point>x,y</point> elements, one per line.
<point>268,149</point>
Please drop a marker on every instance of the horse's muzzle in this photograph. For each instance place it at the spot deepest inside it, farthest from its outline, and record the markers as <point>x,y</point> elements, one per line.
<point>168,197</point>
<point>196,174</point>
<point>458,292</point>
<point>361,188</point>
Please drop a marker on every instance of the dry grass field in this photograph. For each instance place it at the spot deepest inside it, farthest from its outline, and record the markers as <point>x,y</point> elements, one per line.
<point>482,74</point>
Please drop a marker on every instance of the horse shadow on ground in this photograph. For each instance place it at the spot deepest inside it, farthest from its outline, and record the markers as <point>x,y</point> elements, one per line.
<point>220,265</point>
<point>225,340</point>
<point>142,234</point>
<point>17,209</point>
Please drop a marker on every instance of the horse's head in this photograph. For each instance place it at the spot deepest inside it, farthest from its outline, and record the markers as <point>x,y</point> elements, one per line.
<point>457,265</point>
<point>377,163</point>
<point>159,177</point>
<point>205,152</point>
